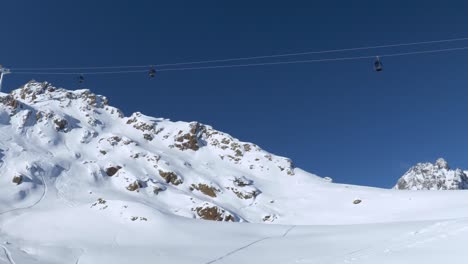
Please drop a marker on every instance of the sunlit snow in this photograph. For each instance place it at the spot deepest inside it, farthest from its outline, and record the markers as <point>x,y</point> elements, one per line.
<point>81,183</point>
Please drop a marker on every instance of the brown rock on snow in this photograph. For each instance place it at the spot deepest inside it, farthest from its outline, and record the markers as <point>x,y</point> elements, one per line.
<point>111,171</point>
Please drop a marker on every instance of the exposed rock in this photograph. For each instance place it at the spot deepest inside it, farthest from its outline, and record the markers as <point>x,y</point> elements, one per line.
<point>139,124</point>
<point>437,176</point>
<point>134,218</point>
<point>205,189</point>
<point>114,141</point>
<point>158,189</point>
<point>10,101</point>
<point>192,139</point>
<point>134,186</point>
<point>60,124</point>
<point>148,137</point>
<point>170,177</point>
<point>442,164</point>
<point>214,213</point>
<point>247,147</point>
<point>111,171</point>
<point>99,201</point>
<point>187,141</point>
<point>242,194</point>
<point>242,181</point>
<point>269,218</point>
<point>18,179</point>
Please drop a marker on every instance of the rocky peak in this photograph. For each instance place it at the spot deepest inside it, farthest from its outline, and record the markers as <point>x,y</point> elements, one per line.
<point>197,171</point>
<point>36,92</point>
<point>442,164</point>
<point>437,176</point>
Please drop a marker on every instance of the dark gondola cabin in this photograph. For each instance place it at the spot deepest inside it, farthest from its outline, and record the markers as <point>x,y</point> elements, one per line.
<point>152,72</point>
<point>378,65</point>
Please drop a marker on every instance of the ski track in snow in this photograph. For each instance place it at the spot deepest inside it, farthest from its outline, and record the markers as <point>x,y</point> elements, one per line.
<point>62,188</point>
<point>287,231</point>
<point>250,244</point>
<point>79,257</point>
<point>431,233</point>
<point>44,193</point>
<point>8,255</point>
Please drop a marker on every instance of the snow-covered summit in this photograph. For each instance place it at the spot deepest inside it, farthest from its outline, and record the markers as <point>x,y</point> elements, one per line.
<point>442,164</point>
<point>437,176</point>
<point>89,151</point>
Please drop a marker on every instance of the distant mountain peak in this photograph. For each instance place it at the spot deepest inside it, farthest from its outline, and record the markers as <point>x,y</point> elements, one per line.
<point>437,176</point>
<point>442,164</point>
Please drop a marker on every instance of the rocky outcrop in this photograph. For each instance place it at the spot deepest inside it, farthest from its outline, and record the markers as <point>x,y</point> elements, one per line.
<point>111,171</point>
<point>18,179</point>
<point>213,213</point>
<point>437,176</point>
<point>171,177</point>
<point>205,189</point>
<point>60,124</point>
<point>185,168</point>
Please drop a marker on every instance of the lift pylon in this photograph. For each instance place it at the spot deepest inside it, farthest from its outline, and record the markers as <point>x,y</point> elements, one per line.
<point>3,71</point>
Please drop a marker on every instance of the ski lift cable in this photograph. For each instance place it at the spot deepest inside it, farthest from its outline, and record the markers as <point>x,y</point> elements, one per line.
<point>318,60</point>
<point>249,64</point>
<point>77,73</point>
<point>252,57</point>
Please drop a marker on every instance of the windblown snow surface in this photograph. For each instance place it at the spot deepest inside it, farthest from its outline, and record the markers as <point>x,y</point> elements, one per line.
<point>81,183</point>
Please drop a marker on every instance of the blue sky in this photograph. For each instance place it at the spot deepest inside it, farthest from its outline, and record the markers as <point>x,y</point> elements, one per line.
<point>337,119</point>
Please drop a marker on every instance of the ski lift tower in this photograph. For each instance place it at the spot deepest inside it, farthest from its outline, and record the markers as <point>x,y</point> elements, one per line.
<point>3,71</point>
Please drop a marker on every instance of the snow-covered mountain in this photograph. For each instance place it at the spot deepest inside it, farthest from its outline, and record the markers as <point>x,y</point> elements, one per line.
<point>82,183</point>
<point>80,145</point>
<point>437,176</point>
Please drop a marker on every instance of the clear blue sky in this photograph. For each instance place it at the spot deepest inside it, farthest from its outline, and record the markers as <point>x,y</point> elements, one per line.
<point>337,119</point>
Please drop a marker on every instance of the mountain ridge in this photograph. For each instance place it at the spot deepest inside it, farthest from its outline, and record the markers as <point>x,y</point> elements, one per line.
<point>187,169</point>
<point>433,176</point>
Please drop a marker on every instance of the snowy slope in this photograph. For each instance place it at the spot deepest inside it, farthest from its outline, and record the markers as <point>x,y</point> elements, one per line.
<point>100,238</point>
<point>89,150</point>
<point>81,183</point>
<point>437,176</point>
